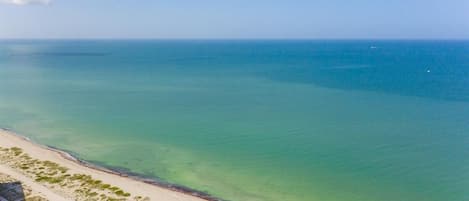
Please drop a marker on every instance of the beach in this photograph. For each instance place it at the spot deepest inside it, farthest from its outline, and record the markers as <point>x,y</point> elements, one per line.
<point>72,180</point>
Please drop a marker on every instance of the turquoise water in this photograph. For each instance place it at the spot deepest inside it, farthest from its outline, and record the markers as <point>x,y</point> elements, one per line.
<point>253,120</point>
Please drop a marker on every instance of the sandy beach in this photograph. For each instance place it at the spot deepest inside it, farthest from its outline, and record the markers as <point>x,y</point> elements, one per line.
<point>55,175</point>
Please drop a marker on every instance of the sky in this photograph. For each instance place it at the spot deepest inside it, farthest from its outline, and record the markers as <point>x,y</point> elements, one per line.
<point>235,19</point>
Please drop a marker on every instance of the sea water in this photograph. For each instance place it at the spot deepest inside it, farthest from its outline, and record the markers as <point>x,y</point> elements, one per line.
<point>253,120</point>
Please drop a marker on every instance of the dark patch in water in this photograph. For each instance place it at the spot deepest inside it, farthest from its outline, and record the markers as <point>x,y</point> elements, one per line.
<point>149,179</point>
<point>63,54</point>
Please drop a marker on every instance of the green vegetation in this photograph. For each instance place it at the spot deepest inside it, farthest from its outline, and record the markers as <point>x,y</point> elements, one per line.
<point>17,151</point>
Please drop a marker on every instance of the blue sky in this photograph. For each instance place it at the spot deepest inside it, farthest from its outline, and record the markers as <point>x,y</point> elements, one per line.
<point>296,19</point>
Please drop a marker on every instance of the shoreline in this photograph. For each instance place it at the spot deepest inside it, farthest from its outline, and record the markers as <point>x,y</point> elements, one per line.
<point>64,158</point>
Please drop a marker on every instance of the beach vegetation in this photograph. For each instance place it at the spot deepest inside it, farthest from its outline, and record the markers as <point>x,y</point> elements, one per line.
<point>27,157</point>
<point>104,186</point>
<point>52,173</point>
<point>16,150</point>
<point>119,193</point>
<point>114,188</point>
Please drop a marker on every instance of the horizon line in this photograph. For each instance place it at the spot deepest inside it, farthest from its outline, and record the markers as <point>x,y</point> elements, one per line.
<point>278,39</point>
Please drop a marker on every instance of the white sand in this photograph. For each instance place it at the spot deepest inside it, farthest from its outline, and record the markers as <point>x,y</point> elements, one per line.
<point>9,139</point>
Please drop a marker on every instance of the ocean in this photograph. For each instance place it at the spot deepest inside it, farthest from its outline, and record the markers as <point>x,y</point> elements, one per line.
<point>253,120</point>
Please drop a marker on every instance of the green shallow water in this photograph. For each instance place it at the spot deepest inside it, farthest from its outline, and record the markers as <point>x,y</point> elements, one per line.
<point>253,120</point>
